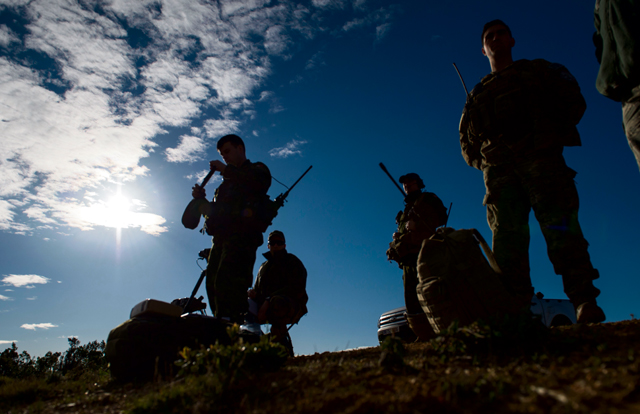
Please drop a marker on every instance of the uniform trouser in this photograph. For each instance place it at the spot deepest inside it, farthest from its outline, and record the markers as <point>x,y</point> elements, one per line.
<point>410,281</point>
<point>281,311</point>
<point>229,276</point>
<point>547,187</point>
<point>631,122</point>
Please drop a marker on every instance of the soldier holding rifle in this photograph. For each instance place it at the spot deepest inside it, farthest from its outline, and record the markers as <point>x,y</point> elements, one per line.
<point>231,218</point>
<point>423,213</point>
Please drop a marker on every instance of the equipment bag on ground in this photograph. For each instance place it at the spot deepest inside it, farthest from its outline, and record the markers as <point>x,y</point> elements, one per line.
<point>456,281</point>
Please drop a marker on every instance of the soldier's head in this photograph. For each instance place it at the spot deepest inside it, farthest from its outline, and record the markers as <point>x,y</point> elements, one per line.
<point>497,42</point>
<point>276,241</point>
<point>411,183</point>
<point>232,149</point>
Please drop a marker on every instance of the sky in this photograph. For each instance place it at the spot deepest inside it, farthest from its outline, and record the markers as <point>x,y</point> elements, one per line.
<point>110,112</point>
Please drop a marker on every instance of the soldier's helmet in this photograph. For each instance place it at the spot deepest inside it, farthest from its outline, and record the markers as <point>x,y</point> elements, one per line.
<point>407,178</point>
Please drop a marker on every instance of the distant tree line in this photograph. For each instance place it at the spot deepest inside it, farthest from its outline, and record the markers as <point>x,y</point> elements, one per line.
<point>75,360</point>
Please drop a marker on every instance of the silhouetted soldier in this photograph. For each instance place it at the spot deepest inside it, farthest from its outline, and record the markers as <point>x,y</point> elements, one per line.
<point>617,40</point>
<point>232,221</point>
<point>280,289</point>
<point>423,213</point>
<point>514,126</point>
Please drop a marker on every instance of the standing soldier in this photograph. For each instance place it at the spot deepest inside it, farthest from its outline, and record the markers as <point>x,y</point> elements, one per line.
<point>514,126</point>
<point>617,41</point>
<point>423,213</point>
<point>280,289</point>
<point>231,218</point>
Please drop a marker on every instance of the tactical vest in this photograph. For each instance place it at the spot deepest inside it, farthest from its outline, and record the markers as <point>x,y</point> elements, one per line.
<point>237,209</point>
<point>519,110</point>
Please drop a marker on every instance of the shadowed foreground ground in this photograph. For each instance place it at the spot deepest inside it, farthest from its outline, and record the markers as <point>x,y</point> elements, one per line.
<point>584,369</point>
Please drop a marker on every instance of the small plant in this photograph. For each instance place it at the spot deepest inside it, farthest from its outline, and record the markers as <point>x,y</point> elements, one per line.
<point>393,352</point>
<point>519,333</point>
<point>233,360</point>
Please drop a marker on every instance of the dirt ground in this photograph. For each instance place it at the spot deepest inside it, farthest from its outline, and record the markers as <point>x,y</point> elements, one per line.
<point>577,369</point>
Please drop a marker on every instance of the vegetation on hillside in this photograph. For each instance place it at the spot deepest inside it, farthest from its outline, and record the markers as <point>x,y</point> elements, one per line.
<point>516,366</point>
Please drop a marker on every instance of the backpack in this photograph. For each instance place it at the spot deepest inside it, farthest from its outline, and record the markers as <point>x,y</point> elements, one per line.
<point>457,282</point>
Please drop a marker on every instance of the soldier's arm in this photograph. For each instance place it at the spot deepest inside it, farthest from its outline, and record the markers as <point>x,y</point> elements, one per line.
<point>566,103</point>
<point>426,215</point>
<point>469,143</point>
<point>256,179</point>
<point>597,37</point>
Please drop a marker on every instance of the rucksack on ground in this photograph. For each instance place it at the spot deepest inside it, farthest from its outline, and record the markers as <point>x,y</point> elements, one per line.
<point>457,282</point>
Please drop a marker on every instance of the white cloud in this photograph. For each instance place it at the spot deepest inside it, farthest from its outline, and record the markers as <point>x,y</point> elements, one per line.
<point>216,128</point>
<point>336,4</point>
<point>189,149</point>
<point>292,148</point>
<point>3,342</point>
<point>90,111</point>
<point>34,326</point>
<point>32,298</point>
<point>25,280</point>
<point>5,298</point>
<point>7,36</point>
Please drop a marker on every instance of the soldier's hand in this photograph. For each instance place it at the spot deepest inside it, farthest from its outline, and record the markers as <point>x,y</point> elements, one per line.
<point>198,192</point>
<point>217,165</point>
<point>252,293</point>
<point>411,225</point>
<point>396,236</point>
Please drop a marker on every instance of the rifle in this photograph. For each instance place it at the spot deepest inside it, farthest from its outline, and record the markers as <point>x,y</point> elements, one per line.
<point>461,80</point>
<point>269,210</point>
<point>191,215</point>
<point>391,178</point>
<point>282,197</point>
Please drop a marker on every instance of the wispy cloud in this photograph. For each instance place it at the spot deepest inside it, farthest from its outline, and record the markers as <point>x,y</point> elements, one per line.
<point>189,149</point>
<point>3,342</point>
<point>34,326</point>
<point>381,19</point>
<point>292,148</point>
<point>25,280</point>
<point>100,84</point>
<point>5,298</point>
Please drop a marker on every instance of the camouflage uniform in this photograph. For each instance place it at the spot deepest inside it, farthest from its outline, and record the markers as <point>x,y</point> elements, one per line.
<point>231,220</point>
<point>514,127</point>
<point>428,213</point>
<point>617,49</point>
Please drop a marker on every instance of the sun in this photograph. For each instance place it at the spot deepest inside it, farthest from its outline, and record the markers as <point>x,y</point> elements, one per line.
<point>118,211</point>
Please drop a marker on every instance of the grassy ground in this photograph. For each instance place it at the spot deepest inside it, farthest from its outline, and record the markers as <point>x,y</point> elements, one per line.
<point>584,369</point>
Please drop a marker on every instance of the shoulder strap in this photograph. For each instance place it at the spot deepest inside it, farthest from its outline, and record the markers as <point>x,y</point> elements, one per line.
<point>487,251</point>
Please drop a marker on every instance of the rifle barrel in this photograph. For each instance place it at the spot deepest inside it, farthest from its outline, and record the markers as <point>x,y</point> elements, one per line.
<point>394,181</point>
<point>207,178</point>
<point>461,80</point>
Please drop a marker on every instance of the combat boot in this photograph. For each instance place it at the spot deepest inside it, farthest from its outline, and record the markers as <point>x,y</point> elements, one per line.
<point>419,324</point>
<point>590,312</point>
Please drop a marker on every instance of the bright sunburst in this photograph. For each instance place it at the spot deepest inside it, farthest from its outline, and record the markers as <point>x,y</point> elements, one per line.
<point>118,211</point>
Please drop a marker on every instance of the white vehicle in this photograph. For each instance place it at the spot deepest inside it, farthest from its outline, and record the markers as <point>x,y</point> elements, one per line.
<point>552,312</point>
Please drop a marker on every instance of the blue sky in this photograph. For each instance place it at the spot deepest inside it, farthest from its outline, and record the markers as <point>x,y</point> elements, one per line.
<point>110,112</point>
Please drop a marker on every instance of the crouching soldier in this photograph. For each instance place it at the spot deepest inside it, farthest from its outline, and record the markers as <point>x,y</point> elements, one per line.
<point>280,290</point>
<point>423,213</point>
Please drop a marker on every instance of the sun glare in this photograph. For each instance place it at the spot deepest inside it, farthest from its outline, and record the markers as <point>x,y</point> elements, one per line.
<point>118,212</point>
